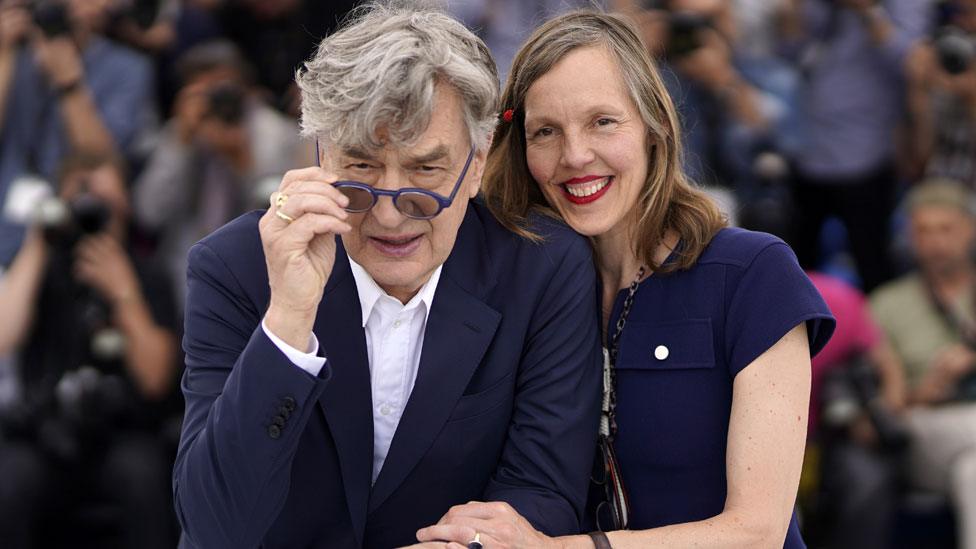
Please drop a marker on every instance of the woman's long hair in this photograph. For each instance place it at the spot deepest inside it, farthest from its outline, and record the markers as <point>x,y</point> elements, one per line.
<point>668,201</point>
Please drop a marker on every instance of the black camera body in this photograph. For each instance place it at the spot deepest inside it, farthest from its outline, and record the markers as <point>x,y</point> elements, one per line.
<point>226,102</point>
<point>684,33</point>
<point>65,223</point>
<point>852,390</point>
<point>955,49</point>
<point>51,16</point>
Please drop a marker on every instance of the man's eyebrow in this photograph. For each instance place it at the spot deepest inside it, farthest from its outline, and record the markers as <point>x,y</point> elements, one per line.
<point>439,153</point>
<point>356,152</point>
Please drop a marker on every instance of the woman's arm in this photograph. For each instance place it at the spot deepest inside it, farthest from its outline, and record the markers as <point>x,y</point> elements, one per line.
<point>767,434</point>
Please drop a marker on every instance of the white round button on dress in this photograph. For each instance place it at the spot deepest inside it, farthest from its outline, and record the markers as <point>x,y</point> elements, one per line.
<point>661,352</point>
<point>385,410</point>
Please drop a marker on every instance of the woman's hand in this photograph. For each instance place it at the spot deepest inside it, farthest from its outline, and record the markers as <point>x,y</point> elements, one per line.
<point>496,523</point>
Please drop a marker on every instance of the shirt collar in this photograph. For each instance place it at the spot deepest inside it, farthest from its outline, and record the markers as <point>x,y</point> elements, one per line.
<point>370,292</point>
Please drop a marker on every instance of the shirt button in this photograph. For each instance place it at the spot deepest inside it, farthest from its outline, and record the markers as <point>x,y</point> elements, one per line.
<point>661,352</point>
<point>385,409</point>
<point>397,323</point>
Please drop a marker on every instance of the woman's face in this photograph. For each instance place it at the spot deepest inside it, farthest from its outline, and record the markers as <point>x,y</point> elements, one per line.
<point>586,142</point>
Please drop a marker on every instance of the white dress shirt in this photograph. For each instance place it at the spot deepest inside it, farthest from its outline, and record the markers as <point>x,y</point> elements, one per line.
<point>394,340</point>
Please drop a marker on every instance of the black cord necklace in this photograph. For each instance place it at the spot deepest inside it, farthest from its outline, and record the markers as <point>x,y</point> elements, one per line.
<point>608,423</point>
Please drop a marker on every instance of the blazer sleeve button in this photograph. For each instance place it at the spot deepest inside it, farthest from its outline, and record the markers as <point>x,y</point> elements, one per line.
<point>278,420</point>
<point>284,412</point>
<point>274,431</point>
<point>289,403</point>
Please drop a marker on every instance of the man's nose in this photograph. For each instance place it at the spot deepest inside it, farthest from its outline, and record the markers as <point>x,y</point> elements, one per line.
<point>385,211</point>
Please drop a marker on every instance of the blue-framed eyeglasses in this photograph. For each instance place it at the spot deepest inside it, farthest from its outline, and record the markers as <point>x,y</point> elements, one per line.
<point>412,202</point>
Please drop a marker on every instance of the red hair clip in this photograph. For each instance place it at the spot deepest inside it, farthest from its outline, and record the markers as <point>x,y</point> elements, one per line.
<point>507,115</point>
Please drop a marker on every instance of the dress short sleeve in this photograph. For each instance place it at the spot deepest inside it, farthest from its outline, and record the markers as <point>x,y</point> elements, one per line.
<point>771,297</point>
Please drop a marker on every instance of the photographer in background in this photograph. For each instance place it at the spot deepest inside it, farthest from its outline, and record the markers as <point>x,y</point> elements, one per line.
<point>729,108</point>
<point>94,331</point>
<point>857,404</point>
<point>852,54</point>
<point>930,318</point>
<point>942,96</point>
<point>220,145</point>
<point>64,86</point>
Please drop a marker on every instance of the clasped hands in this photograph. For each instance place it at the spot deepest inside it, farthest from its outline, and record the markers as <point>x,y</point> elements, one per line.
<point>497,525</point>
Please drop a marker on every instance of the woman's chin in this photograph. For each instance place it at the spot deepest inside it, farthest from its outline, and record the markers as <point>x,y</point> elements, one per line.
<point>588,225</point>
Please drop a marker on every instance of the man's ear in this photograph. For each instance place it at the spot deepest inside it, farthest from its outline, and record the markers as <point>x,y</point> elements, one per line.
<point>478,165</point>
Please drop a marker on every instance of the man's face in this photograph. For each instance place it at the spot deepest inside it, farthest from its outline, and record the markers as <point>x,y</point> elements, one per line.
<point>942,238</point>
<point>400,253</point>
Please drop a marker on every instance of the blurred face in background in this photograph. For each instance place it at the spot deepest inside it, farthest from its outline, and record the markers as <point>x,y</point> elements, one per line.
<point>90,14</point>
<point>965,15</point>
<point>104,183</point>
<point>942,238</point>
<point>586,143</point>
<point>703,7</point>
<point>272,9</point>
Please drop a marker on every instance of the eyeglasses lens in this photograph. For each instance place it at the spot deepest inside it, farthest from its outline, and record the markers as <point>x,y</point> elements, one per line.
<point>360,200</point>
<point>417,205</point>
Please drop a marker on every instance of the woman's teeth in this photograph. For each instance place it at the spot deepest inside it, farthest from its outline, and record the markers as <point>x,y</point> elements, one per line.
<point>582,190</point>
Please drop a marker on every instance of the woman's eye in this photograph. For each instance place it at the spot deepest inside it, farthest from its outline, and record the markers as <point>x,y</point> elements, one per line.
<point>360,166</point>
<point>427,169</point>
<point>605,121</point>
<point>542,132</point>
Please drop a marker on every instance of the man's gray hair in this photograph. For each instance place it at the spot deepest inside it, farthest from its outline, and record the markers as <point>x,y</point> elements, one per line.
<point>379,71</point>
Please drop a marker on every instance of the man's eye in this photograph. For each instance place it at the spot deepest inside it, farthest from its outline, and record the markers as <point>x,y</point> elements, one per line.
<point>542,132</point>
<point>360,166</point>
<point>605,121</point>
<point>427,169</point>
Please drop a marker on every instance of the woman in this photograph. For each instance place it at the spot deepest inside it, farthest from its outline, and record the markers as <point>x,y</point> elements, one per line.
<point>713,363</point>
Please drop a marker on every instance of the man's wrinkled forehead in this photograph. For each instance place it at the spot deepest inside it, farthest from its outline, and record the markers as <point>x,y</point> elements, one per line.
<point>419,154</point>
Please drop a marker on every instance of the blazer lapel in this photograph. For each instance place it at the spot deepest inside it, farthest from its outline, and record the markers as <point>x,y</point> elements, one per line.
<point>346,401</point>
<point>460,327</point>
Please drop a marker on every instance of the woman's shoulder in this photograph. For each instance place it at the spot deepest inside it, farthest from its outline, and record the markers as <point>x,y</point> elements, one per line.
<point>737,247</point>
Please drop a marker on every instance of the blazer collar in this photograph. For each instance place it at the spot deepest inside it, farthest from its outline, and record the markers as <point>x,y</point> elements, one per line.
<point>460,327</point>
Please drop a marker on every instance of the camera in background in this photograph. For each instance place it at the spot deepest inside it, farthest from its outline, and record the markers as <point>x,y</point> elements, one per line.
<point>31,200</point>
<point>684,33</point>
<point>226,103</point>
<point>955,49</point>
<point>51,16</point>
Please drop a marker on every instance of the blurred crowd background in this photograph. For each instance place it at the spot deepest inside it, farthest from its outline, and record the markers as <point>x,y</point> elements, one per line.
<point>129,129</point>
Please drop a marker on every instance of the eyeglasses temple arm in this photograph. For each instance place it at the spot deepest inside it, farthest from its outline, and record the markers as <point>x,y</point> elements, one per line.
<point>464,172</point>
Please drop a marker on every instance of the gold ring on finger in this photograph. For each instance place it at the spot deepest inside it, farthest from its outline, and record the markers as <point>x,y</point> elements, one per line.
<point>281,200</point>
<point>283,216</point>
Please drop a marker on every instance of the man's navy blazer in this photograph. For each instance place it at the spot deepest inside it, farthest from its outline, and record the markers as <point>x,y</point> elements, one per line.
<point>505,405</point>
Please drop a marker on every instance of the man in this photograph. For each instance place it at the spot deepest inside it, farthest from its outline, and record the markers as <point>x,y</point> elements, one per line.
<point>93,329</point>
<point>852,54</point>
<point>222,143</point>
<point>345,392</point>
<point>930,319</point>
<point>942,97</point>
<point>64,87</point>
